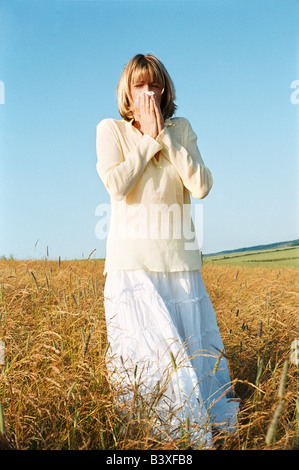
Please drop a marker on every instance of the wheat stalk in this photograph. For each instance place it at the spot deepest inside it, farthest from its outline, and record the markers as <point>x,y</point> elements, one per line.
<point>2,425</point>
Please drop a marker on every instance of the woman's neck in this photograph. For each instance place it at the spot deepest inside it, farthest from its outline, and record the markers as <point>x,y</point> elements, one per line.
<point>138,126</point>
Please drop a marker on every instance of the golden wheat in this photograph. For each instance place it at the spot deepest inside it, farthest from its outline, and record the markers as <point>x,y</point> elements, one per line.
<point>54,392</point>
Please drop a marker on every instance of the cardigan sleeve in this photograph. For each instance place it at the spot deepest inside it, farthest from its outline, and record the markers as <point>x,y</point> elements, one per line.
<point>118,173</point>
<point>187,160</point>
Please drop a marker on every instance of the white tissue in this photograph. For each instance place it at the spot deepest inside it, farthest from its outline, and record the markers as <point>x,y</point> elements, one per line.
<point>136,104</point>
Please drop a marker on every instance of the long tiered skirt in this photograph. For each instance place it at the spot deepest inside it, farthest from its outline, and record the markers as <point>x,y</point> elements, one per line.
<point>165,342</point>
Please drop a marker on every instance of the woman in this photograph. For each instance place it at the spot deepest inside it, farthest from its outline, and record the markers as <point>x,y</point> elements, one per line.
<point>160,322</point>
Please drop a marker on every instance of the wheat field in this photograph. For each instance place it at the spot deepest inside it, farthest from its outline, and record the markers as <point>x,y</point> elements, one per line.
<point>54,392</point>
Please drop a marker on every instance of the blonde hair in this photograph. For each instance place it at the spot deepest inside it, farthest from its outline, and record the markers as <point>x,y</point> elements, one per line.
<point>137,66</point>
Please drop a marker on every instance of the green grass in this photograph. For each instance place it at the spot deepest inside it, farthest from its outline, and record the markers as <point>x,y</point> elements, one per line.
<point>280,257</point>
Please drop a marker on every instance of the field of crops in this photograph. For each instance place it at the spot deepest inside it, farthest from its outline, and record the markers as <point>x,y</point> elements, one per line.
<point>279,257</point>
<point>54,392</point>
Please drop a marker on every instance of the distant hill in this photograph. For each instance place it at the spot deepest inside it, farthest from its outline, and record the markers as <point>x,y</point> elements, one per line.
<point>257,248</point>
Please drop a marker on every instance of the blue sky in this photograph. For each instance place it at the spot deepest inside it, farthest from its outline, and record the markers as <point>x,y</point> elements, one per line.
<point>232,63</point>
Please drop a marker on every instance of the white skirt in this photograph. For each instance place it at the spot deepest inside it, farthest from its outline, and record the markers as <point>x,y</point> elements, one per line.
<point>165,341</point>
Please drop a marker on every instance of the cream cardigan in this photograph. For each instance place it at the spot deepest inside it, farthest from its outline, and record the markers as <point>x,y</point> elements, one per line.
<point>150,182</point>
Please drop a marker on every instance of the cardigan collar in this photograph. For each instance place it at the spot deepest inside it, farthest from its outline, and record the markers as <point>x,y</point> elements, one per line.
<point>167,123</point>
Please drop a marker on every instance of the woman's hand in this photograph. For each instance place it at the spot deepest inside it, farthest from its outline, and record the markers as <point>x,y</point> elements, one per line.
<point>149,116</point>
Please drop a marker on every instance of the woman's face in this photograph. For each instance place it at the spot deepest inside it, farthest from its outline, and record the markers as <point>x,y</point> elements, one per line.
<point>141,83</point>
